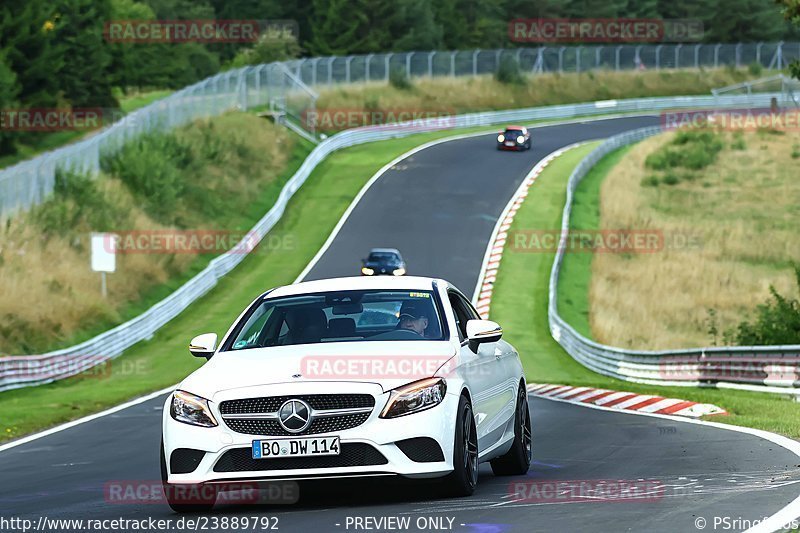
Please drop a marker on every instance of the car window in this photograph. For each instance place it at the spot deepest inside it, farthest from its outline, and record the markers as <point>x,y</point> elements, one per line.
<point>372,315</point>
<point>460,314</point>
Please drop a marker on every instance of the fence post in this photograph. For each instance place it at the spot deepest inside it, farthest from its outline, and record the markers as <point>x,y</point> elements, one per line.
<point>330,70</point>
<point>716,55</point>
<point>347,68</point>
<point>658,56</point>
<point>408,64</point>
<point>475,62</point>
<point>386,70</point>
<point>453,64</point>
<point>758,52</point>
<point>738,55</point>
<point>561,58</point>
<point>678,55</point>
<point>578,59</point>
<point>616,56</point>
<point>697,55</point>
<point>430,64</point>
<point>366,66</point>
<point>314,63</point>
<point>597,56</point>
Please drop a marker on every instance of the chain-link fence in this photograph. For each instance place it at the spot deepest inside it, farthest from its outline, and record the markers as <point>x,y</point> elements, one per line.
<point>377,67</point>
<point>272,87</point>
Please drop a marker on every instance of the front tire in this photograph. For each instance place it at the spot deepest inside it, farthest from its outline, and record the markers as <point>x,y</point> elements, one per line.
<point>201,502</point>
<point>517,461</point>
<point>464,478</point>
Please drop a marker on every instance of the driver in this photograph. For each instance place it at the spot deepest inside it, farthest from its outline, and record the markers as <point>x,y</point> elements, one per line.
<point>413,317</point>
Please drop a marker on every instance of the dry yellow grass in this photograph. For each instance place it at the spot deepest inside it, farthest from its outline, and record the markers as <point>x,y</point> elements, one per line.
<point>741,218</point>
<point>48,293</point>
<point>485,93</point>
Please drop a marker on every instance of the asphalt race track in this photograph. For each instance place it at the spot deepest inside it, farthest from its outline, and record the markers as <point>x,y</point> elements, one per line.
<point>439,208</point>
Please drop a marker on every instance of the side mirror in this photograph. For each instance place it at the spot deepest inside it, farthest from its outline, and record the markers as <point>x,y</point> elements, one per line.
<point>203,345</point>
<point>480,331</point>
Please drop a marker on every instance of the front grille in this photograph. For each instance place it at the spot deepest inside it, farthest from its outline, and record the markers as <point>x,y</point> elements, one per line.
<point>185,460</point>
<point>327,424</point>
<point>352,454</point>
<point>421,449</point>
<point>271,404</point>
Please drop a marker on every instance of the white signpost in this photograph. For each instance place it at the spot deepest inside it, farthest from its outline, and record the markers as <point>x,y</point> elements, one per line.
<point>104,257</point>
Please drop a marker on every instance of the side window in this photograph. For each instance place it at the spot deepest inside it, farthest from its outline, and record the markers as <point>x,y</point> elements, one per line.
<point>460,313</point>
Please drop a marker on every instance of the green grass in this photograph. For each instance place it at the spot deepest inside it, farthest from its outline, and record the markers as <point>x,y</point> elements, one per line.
<point>519,304</point>
<point>133,102</point>
<point>164,360</point>
<point>576,269</point>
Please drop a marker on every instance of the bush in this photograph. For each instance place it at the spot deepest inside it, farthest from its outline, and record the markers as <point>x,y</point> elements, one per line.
<point>398,79</point>
<point>777,322</point>
<point>151,167</point>
<point>670,179</point>
<point>650,181</point>
<point>690,149</point>
<point>508,72</point>
<point>755,69</point>
<point>738,142</point>
<point>77,202</point>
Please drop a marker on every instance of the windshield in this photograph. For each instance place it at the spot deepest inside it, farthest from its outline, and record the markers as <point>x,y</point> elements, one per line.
<point>382,257</point>
<point>345,316</point>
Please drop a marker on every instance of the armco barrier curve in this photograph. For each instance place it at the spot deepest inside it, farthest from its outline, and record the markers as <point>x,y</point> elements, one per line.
<point>764,368</point>
<point>27,370</point>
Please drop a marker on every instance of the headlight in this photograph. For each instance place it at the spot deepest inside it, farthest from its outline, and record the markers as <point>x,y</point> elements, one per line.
<point>520,139</point>
<point>192,410</point>
<point>415,397</point>
<point>399,271</point>
<point>500,138</point>
<point>367,271</point>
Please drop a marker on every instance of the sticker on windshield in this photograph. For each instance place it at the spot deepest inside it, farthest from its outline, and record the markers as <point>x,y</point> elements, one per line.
<point>419,295</point>
<point>240,344</point>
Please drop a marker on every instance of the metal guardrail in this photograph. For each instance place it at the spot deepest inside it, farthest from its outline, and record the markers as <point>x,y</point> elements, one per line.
<point>775,367</point>
<point>27,370</point>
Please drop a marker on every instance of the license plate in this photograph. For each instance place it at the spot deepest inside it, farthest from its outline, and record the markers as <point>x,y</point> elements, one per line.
<point>306,447</point>
<point>509,143</point>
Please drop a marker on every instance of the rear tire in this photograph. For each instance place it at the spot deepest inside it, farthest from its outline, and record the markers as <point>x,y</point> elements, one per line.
<point>517,461</point>
<point>200,502</point>
<point>464,478</point>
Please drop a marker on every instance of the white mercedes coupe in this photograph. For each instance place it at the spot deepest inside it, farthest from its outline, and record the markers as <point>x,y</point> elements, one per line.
<point>348,377</point>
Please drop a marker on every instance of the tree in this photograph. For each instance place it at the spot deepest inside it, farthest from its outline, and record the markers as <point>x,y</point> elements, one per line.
<point>791,12</point>
<point>415,28</point>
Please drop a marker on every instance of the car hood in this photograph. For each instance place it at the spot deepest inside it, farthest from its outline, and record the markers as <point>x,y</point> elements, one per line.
<point>389,364</point>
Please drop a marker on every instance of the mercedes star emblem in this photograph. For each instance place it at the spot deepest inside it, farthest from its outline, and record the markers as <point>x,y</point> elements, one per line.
<point>294,416</point>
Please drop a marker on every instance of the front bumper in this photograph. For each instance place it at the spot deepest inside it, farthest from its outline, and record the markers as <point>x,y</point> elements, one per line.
<point>516,147</point>
<point>368,449</point>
